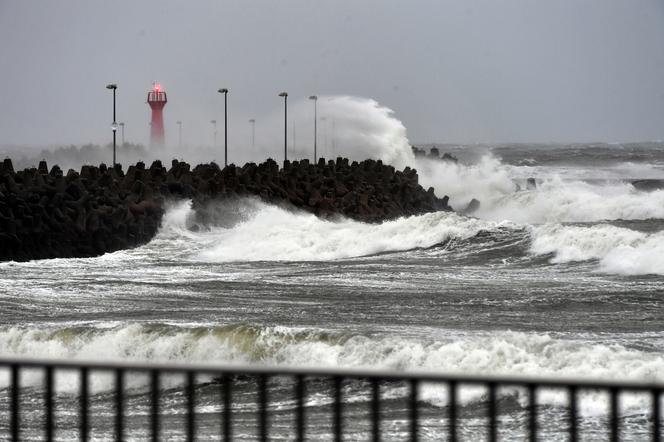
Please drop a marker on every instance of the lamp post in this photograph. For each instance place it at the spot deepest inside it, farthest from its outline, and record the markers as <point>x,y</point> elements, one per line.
<point>225,92</point>
<point>179,123</point>
<point>315,98</point>
<point>114,125</point>
<point>285,95</point>
<point>214,125</point>
<point>325,131</point>
<point>253,133</point>
<point>122,132</point>
<point>334,136</point>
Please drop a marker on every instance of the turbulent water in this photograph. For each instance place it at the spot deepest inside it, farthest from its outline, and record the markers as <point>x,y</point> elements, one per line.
<point>564,280</point>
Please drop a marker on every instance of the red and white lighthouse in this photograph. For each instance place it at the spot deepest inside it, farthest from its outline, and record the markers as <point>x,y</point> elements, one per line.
<point>157,100</point>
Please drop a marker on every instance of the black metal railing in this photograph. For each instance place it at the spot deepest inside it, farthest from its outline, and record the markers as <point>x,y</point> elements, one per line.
<point>410,415</point>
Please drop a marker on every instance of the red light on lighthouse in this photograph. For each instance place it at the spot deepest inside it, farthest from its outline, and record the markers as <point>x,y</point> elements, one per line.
<point>157,100</point>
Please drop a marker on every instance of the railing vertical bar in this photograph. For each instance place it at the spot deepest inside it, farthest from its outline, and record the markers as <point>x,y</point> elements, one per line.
<point>262,407</point>
<point>375,409</point>
<point>338,411</point>
<point>49,403</point>
<point>656,415</point>
<point>84,405</point>
<point>299,399</point>
<point>614,414</point>
<point>15,404</point>
<point>573,419</point>
<point>375,381</point>
<point>452,386</point>
<point>414,412</point>
<point>191,402</point>
<point>154,412</point>
<point>493,430</point>
<point>532,412</point>
<point>119,405</point>
<point>226,391</point>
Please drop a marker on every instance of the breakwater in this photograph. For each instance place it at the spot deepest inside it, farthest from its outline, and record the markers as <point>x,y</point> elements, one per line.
<point>51,214</point>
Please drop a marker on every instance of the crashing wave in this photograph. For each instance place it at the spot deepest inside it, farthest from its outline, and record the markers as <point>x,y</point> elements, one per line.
<point>479,353</point>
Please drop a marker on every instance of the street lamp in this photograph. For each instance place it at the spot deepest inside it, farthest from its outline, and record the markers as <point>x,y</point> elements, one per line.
<point>214,124</point>
<point>179,123</point>
<point>285,95</point>
<point>225,92</point>
<point>253,133</point>
<point>114,125</point>
<point>122,128</point>
<point>315,98</point>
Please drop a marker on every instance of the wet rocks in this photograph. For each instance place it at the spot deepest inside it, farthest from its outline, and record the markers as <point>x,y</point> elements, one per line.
<point>48,214</point>
<point>472,207</point>
<point>434,154</point>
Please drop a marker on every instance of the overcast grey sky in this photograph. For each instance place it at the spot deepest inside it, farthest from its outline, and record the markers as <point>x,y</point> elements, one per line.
<point>453,71</point>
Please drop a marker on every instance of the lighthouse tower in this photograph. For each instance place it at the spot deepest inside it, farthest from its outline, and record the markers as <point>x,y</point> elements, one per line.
<point>157,100</point>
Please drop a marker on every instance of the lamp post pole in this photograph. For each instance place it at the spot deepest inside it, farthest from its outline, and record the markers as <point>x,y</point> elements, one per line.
<point>334,136</point>
<point>253,133</point>
<point>315,98</point>
<point>225,92</point>
<point>325,131</point>
<point>214,125</point>
<point>114,125</point>
<point>285,95</point>
<point>122,132</point>
<point>179,123</point>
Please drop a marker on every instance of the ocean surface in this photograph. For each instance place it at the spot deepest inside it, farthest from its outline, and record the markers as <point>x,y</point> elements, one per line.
<point>562,280</point>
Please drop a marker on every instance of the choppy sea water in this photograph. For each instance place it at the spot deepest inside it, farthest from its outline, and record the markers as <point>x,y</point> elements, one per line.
<point>565,280</point>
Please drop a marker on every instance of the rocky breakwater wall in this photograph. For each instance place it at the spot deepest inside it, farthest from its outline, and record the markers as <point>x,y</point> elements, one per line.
<point>48,214</point>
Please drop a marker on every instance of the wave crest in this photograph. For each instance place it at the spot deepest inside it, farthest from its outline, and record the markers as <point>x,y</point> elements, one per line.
<point>271,233</point>
<point>477,353</point>
<point>618,250</point>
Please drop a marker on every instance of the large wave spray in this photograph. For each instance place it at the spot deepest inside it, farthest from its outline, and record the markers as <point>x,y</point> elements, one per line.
<point>618,250</point>
<point>348,126</point>
<point>270,233</point>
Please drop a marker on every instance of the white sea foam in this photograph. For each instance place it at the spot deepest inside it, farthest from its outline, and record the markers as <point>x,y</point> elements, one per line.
<point>273,233</point>
<point>480,353</point>
<point>554,200</point>
<point>263,232</point>
<point>618,250</point>
<point>560,201</point>
<point>487,181</point>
